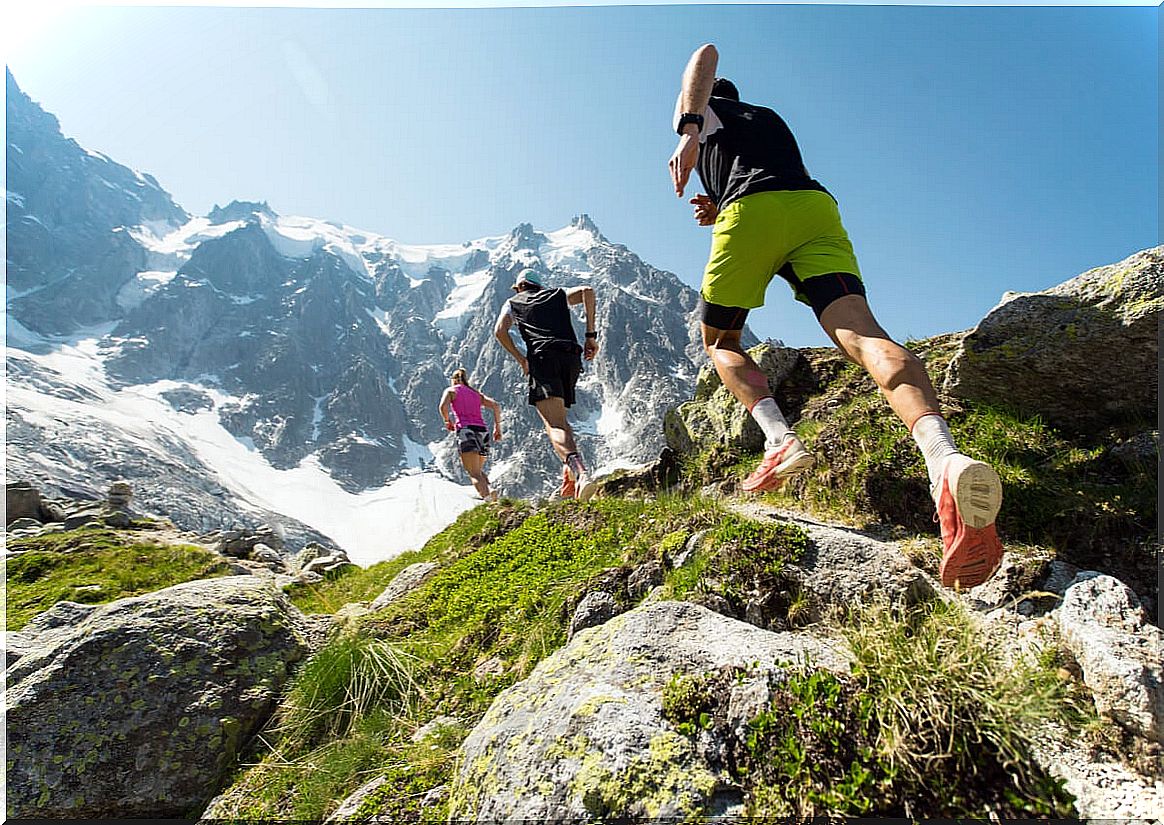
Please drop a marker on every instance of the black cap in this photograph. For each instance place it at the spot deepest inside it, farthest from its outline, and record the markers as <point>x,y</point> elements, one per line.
<point>725,88</point>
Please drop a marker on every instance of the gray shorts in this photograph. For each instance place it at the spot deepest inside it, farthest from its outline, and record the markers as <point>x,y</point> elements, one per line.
<point>473,440</point>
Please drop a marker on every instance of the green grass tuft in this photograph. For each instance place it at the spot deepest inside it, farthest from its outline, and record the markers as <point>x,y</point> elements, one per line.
<point>955,720</point>
<point>342,685</point>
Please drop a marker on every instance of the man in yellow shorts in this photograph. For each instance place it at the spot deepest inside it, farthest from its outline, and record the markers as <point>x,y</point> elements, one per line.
<point>770,218</point>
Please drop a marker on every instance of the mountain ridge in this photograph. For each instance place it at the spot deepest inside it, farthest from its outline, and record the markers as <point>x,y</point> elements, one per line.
<point>313,343</point>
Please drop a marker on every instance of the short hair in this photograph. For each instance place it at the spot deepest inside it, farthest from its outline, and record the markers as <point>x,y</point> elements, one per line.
<point>722,87</point>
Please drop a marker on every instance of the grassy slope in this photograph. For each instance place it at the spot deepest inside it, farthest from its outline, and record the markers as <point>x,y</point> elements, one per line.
<point>510,576</point>
<point>94,566</point>
<point>501,602</point>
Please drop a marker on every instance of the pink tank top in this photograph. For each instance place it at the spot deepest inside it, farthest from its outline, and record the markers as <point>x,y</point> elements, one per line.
<point>467,407</point>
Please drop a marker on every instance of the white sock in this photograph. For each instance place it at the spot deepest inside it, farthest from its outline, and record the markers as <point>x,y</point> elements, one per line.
<point>933,437</point>
<point>767,414</point>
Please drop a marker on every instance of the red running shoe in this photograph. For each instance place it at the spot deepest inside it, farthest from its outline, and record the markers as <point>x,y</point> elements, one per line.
<point>779,464</point>
<point>568,489</point>
<point>968,503</point>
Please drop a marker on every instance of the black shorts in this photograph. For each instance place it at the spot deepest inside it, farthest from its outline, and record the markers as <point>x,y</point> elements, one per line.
<point>473,439</point>
<point>553,373</point>
<point>818,292</point>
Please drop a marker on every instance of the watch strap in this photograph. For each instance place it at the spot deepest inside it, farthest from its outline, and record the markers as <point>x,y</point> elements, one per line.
<point>689,117</point>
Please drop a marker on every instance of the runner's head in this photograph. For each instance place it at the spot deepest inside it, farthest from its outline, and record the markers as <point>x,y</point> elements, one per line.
<point>725,88</point>
<point>460,377</point>
<point>529,280</point>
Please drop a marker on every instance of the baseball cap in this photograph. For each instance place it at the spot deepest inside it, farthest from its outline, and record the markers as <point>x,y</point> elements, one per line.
<point>722,87</point>
<point>528,276</point>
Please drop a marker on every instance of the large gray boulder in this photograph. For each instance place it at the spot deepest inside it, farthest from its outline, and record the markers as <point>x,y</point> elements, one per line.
<point>842,568</point>
<point>1119,651</point>
<point>1082,354</point>
<point>140,707</point>
<point>583,738</point>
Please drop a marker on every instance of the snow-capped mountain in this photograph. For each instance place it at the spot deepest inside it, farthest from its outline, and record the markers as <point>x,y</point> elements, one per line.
<point>247,366</point>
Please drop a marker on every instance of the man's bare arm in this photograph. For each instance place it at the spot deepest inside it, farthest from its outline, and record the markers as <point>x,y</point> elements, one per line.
<point>585,295</point>
<point>698,78</point>
<point>501,333</point>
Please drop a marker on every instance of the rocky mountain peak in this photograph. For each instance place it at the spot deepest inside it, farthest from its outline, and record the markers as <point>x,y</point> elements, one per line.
<point>240,211</point>
<point>307,346</point>
<point>524,236</point>
<point>585,223</point>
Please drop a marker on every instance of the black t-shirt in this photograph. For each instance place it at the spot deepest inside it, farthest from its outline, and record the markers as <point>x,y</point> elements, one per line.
<point>752,151</point>
<point>543,319</point>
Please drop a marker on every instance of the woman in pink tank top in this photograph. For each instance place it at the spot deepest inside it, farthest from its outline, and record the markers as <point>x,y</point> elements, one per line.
<point>465,403</point>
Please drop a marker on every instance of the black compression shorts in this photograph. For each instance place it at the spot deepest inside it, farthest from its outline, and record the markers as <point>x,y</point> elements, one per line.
<point>818,292</point>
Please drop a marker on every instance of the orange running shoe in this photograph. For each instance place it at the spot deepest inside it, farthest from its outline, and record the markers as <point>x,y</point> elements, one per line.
<point>568,490</point>
<point>779,464</point>
<point>968,502</point>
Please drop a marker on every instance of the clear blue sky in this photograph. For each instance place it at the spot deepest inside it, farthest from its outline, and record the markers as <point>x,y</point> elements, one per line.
<point>973,150</point>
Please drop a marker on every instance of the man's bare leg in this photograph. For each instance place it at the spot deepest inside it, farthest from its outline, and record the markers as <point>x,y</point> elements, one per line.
<point>735,367</point>
<point>553,415</point>
<point>784,455</point>
<point>899,374</point>
<point>561,434</point>
<point>967,493</point>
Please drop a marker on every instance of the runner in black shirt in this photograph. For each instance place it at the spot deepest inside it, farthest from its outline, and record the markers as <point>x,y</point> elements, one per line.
<point>553,363</point>
<point>771,218</point>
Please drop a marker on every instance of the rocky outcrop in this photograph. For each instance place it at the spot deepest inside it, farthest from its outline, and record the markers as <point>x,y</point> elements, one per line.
<point>1083,354</point>
<point>584,738</point>
<point>715,417</point>
<point>842,568</point>
<point>139,707</point>
<point>404,582</point>
<point>1119,651</point>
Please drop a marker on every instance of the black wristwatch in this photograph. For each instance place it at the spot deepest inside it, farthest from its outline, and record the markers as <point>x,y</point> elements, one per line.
<point>689,117</point>
<point>592,335</point>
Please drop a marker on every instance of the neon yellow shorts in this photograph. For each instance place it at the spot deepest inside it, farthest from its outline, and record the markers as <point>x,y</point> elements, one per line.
<point>797,235</point>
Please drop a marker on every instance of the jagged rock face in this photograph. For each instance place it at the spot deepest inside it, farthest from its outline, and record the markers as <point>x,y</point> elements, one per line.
<point>67,215</point>
<point>583,738</point>
<point>140,708</point>
<point>307,340</point>
<point>1083,354</point>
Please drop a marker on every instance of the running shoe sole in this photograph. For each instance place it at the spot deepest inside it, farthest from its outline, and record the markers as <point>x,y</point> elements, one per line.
<point>587,489</point>
<point>976,552</point>
<point>977,492</point>
<point>795,464</point>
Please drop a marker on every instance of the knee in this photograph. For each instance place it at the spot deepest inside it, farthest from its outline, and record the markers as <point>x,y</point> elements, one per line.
<point>715,346</point>
<point>891,364</point>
